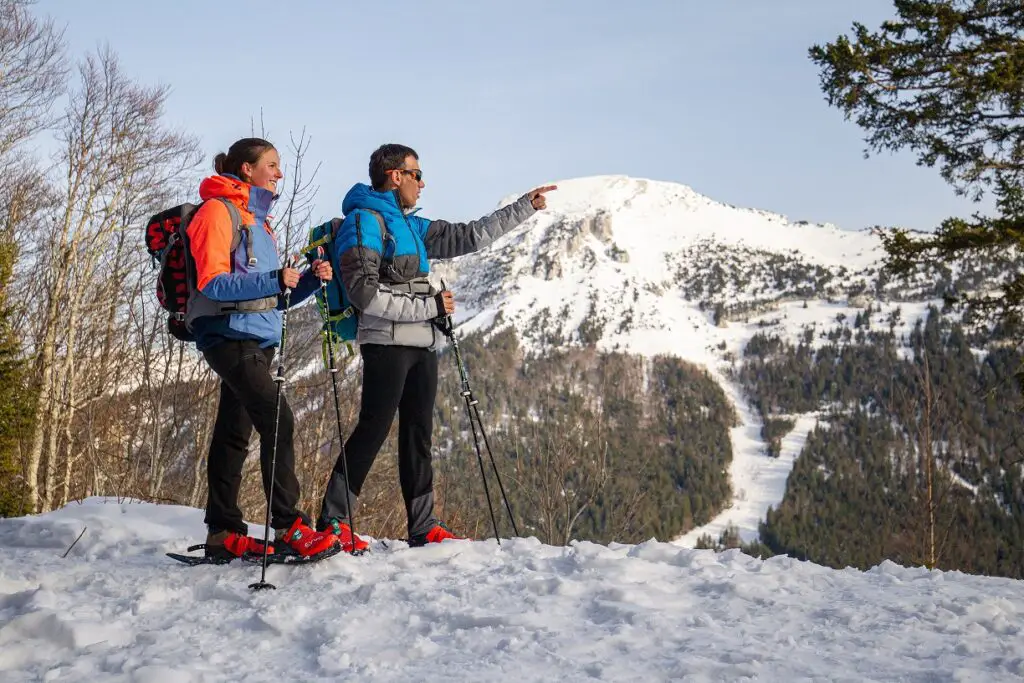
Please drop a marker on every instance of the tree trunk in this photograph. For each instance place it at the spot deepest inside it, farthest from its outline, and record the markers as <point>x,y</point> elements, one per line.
<point>42,411</point>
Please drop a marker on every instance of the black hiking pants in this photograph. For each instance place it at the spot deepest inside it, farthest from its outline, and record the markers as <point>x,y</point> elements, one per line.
<point>248,398</point>
<point>402,379</point>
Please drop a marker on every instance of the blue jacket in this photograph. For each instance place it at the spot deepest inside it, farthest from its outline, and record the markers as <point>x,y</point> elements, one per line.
<point>406,232</point>
<point>384,273</point>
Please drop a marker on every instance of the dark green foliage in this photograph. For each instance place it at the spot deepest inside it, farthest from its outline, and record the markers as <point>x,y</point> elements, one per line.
<point>857,493</point>
<point>729,539</point>
<point>585,449</point>
<point>945,80</point>
<point>773,431</point>
<point>15,398</point>
<point>32,72</point>
<point>712,273</point>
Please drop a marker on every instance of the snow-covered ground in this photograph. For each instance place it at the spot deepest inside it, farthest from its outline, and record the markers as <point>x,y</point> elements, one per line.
<point>115,609</point>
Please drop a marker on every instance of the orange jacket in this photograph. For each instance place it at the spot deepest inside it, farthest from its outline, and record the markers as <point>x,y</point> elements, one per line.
<point>210,236</point>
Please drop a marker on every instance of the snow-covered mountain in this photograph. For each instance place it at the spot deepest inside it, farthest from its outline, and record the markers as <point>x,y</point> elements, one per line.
<point>640,264</point>
<point>113,608</point>
<point>651,267</point>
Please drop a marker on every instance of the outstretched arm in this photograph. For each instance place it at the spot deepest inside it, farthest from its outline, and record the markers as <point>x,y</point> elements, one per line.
<point>448,240</point>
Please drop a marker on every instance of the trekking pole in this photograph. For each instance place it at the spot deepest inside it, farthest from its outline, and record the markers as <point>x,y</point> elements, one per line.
<point>279,378</point>
<point>337,408</point>
<point>473,410</point>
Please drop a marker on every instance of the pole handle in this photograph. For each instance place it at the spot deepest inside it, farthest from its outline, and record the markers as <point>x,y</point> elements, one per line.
<point>448,326</point>
<point>293,263</point>
<point>320,256</point>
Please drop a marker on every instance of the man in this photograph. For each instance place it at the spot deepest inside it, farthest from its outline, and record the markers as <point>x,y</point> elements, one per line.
<point>384,271</point>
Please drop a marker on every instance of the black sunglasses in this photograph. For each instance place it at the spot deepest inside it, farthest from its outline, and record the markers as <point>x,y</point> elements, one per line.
<point>415,173</point>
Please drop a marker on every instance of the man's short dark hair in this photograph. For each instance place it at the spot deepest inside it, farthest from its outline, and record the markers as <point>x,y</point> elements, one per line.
<point>387,158</point>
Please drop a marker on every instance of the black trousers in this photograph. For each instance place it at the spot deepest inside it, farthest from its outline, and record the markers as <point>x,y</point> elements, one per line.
<point>395,378</point>
<point>248,398</point>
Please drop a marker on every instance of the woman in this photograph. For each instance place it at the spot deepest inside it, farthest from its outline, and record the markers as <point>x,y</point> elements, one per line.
<point>240,346</point>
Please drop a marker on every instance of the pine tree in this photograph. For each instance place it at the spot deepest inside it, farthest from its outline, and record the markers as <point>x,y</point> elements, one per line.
<point>946,80</point>
<point>15,398</point>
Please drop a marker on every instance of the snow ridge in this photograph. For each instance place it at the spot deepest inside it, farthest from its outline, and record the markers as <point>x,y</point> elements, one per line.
<point>115,609</point>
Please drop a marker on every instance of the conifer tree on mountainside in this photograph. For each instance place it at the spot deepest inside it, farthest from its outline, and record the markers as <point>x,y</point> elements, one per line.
<point>945,79</point>
<point>866,487</point>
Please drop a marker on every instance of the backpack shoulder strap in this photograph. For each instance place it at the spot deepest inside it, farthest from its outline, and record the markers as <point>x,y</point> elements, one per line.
<point>380,219</point>
<point>383,227</point>
<point>236,218</point>
<point>237,229</point>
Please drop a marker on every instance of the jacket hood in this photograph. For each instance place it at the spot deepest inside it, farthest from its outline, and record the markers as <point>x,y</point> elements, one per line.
<point>362,196</point>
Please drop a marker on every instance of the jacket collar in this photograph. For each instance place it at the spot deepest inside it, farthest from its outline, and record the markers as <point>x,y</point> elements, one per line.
<point>255,200</point>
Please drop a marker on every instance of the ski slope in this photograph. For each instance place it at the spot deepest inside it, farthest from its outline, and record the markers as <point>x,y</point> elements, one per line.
<point>115,609</point>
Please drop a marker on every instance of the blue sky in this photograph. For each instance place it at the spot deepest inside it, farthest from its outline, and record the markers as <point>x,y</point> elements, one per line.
<point>500,97</point>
